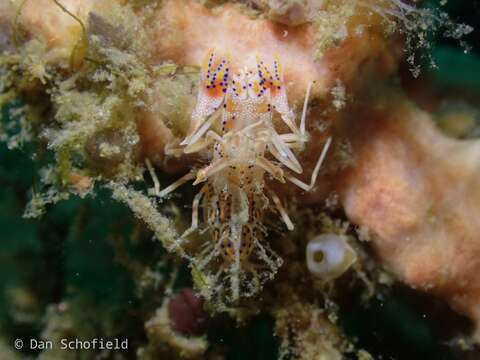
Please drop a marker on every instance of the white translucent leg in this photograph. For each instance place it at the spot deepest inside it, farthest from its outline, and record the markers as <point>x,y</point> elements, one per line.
<point>270,168</point>
<point>290,138</point>
<point>289,119</point>
<point>304,111</point>
<point>251,126</point>
<point>278,204</point>
<point>205,250</point>
<point>177,244</point>
<point>156,183</point>
<point>201,265</point>
<point>313,179</point>
<point>175,151</point>
<point>255,281</point>
<point>198,133</point>
<point>235,271</point>
<point>283,153</point>
<point>195,207</point>
<point>201,144</point>
<point>215,137</point>
<point>177,184</point>
<point>262,253</point>
<point>295,145</point>
<point>211,169</point>
<point>215,282</point>
<point>299,137</point>
<point>262,135</point>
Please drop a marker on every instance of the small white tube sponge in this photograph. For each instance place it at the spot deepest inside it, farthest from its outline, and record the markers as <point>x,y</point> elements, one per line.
<point>329,256</point>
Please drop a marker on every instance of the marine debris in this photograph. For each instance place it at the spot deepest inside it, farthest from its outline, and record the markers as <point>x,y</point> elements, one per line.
<point>329,256</point>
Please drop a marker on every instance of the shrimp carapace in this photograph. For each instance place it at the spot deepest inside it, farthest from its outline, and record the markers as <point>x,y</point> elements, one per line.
<point>233,127</point>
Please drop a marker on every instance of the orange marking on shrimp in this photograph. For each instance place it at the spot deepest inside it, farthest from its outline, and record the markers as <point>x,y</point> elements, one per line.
<point>215,76</point>
<point>230,105</point>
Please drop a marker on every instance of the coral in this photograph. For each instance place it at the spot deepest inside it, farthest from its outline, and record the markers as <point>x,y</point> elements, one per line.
<point>131,67</point>
<point>93,132</point>
<point>415,189</point>
<point>291,13</point>
<point>201,28</point>
<point>458,119</point>
<point>49,20</point>
<point>315,336</point>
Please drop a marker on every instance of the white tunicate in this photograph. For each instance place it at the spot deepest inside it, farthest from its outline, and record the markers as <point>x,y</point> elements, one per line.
<point>329,256</point>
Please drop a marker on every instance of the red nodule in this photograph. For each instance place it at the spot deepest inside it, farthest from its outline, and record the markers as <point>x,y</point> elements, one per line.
<point>185,310</point>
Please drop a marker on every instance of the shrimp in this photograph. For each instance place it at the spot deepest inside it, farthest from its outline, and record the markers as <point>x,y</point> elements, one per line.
<point>233,122</point>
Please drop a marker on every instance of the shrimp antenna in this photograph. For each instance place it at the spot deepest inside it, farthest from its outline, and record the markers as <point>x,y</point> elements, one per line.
<point>304,111</point>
